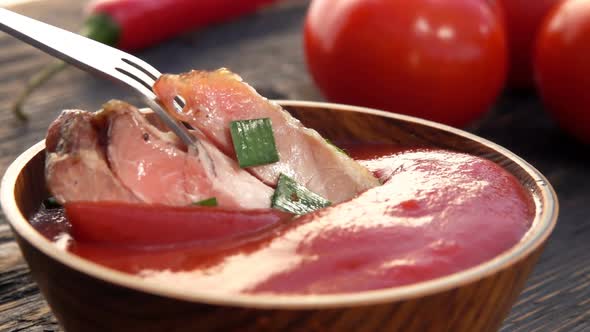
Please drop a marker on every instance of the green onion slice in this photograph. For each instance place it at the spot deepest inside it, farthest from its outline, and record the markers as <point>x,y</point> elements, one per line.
<point>335,146</point>
<point>51,203</point>
<point>254,142</point>
<point>295,198</point>
<point>207,202</point>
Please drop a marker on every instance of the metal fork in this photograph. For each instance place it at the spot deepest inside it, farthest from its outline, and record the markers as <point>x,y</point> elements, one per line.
<point>97,58</point>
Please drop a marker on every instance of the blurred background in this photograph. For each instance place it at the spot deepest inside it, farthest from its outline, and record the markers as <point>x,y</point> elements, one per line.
<point>468,63</point>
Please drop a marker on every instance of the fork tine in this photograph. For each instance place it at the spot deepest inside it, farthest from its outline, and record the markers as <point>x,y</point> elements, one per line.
<point>143,66</point>
<point>138,80</point>
<point>137,75</point>
<point>152,73</point>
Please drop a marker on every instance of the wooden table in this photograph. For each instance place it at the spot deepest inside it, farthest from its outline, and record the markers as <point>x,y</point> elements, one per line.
<point>266,50</point>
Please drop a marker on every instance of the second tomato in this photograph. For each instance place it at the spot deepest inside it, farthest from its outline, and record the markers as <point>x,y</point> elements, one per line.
<point>523,20</point>
<point>440,60</point>
<point>562,66</point>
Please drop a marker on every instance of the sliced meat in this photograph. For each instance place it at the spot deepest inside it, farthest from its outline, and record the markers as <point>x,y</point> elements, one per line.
<point>158,169</point>
<point>214,99</point>
<point>76,168</point>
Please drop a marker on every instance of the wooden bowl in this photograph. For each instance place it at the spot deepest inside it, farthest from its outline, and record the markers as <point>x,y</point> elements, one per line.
<point>88,297</point>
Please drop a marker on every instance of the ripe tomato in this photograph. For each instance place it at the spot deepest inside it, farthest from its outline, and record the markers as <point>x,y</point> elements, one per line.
<point>497,9</point>
<point>441,60</point>
<point>562,66</point>
<point>523,19</point>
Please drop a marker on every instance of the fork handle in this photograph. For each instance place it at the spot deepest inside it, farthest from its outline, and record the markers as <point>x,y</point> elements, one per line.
<point>53,40</point>
<point>94,57</point>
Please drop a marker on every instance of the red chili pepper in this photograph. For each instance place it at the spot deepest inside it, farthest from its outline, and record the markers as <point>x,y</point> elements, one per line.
<point>131,225</point>
<point>136,24</point>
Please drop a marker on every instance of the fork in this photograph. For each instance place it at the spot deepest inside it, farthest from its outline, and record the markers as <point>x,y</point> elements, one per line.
<point>96,58</point>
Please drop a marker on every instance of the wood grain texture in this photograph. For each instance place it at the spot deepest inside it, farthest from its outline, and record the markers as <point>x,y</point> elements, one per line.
<point>265,50</point>
<point>22,308</point>
<point>472,308</point>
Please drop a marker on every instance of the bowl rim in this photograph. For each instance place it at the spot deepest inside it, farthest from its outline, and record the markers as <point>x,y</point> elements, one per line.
<point>542,226</point>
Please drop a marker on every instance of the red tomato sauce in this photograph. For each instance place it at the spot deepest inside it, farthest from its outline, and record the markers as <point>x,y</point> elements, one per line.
<point>436,213</point>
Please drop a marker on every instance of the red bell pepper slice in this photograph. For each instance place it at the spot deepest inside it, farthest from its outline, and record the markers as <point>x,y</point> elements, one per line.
<point>159,225</point>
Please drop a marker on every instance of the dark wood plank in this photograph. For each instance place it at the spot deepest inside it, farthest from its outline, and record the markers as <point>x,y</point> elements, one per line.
<point>266,50</point>
<point>21,304</point>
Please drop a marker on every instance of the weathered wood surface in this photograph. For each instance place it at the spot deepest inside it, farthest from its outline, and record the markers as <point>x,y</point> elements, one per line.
<point>266,50</point>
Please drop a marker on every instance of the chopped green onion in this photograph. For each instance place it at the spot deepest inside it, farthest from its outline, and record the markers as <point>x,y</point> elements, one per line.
<point>207,202</point>
<point>295,198</point>
<point>51,203</point>
<point>254,142</point>
<point>335,146</point>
